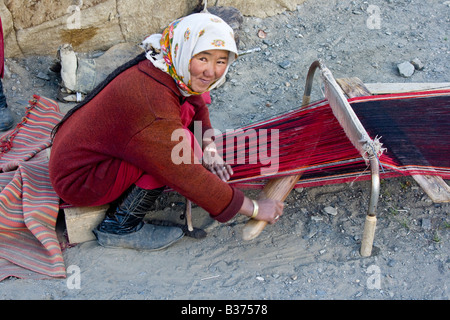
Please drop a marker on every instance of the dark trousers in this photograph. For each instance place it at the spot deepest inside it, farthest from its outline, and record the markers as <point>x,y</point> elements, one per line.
<point>2,97</point>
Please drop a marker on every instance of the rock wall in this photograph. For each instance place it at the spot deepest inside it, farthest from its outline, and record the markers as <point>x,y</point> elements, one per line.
<point>39,27</point>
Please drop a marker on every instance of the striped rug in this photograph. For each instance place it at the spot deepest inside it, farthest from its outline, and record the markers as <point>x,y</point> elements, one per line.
<point>29,246</point>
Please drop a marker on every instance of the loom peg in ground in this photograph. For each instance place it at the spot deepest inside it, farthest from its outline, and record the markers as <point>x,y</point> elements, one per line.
<point>368,236</point>
<point>188,214</point>
<point>371,217</point>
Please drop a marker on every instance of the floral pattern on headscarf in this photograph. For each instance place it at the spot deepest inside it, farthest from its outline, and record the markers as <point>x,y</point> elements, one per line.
<point>184,38</point>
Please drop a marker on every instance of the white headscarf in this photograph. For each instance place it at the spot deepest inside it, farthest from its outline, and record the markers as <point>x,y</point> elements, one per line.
<point>173,50</point>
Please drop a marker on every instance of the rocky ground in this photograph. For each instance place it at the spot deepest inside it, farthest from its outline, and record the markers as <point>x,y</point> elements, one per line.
<point>309,253</point>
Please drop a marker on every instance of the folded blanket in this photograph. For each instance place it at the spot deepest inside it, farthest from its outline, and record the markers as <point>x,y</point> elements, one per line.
<point>29,246</point>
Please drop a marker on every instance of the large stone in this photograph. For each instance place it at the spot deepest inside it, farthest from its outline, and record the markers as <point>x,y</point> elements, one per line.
<point>260,8</point>
<point>406,69</point>
<point>11,47</point>
<point>33,27</point>
<point>96,29</point>
<point>145,17</point>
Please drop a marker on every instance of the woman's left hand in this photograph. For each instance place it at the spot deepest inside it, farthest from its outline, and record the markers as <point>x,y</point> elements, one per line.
<point>214,163</point>
<point>223,171</point>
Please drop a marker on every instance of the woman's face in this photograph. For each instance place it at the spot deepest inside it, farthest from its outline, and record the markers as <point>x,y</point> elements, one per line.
<point>206,67</point>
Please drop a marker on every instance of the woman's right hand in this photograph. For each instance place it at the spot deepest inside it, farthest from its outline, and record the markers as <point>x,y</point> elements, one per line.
<point>269,210</point>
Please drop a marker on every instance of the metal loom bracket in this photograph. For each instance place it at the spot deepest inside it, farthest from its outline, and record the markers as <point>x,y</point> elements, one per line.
<point>369,149</point>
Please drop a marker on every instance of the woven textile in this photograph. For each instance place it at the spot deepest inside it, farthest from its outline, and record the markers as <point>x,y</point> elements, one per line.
<point>413,128</point>
<point>29,246</point>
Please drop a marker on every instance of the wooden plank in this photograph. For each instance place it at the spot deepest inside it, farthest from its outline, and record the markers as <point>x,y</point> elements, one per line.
<point>353,87</point>
<point>80,221</point>
<point>390,88</point>
<point>434,186</point>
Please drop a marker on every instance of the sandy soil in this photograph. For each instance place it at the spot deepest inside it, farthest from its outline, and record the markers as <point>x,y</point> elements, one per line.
<point>309,254</point>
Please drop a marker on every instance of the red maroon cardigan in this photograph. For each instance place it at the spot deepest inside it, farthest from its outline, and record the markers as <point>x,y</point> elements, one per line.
<point>132,120</point>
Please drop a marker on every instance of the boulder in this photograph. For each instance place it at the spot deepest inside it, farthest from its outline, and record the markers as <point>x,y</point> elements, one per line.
<point>39,27</point>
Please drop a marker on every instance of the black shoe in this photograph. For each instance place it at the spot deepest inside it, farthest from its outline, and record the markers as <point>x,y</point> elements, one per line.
<point>123,225</point>
<point>126,215</point>
<point>149,237</point>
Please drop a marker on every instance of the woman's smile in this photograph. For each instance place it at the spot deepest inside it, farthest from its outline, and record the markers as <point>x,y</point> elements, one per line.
<point>206,67</point>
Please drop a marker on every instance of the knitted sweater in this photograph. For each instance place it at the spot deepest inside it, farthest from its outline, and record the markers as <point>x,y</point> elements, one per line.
<point>132,119</point>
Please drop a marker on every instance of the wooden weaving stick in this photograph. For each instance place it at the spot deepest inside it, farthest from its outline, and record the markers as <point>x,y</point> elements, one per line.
<point>279,188</point>
<point>276,189</point>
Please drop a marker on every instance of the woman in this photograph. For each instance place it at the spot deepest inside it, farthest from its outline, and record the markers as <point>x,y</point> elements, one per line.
<point>116,146</point>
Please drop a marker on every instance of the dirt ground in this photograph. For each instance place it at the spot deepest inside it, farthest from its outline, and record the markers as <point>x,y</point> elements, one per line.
<point>309,254</point>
